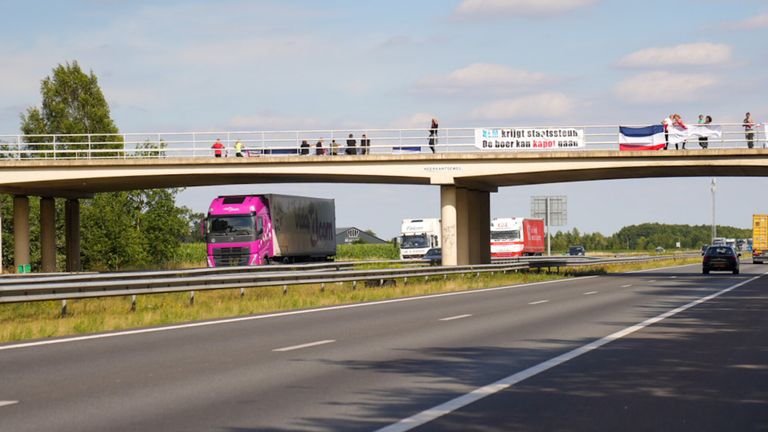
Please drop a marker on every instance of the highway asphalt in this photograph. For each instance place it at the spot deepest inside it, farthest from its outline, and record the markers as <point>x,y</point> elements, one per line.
<point>370,366</point>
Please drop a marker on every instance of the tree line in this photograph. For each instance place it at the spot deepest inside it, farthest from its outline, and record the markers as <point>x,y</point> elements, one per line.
<point>645,237</point>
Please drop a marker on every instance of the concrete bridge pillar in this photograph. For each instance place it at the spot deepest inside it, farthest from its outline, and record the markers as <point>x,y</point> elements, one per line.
<point>72,234</point>
<point>466,232</point>
<point>479,227</point>
<point>48,234</point>
<point>21,230</point>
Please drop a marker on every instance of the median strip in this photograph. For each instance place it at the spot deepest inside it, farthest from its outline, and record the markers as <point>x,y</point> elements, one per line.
<point>306,345</point>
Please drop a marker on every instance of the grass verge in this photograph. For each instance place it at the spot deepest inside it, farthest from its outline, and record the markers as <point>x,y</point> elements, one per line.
<point>42,319</point>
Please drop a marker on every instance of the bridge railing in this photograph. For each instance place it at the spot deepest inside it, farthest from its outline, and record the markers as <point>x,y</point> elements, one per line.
<point>281,143</point>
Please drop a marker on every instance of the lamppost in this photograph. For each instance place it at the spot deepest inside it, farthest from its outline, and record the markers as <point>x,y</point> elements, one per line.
<point>714,226</point>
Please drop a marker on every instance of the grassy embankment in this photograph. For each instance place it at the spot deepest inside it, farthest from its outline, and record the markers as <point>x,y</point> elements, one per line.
<point>42,319</point>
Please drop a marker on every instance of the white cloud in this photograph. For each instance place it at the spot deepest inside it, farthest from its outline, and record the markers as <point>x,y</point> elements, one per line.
<point>694,54</point>
<point>544,105</point>
<point>665,87</point>
<point>414,121</point>
<point>755,22</point>
<point>529,8</point>
<point>482,78</point>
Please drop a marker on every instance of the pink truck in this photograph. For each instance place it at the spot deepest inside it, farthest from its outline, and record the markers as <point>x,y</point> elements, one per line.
<point>243,230</point>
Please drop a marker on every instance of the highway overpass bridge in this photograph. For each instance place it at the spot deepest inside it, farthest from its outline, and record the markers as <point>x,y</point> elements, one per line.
<point>466,175</point>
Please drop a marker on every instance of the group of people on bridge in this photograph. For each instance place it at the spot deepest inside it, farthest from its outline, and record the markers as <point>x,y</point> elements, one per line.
<point>319,149</point>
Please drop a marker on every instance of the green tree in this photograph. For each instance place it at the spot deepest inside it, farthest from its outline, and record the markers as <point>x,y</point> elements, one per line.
<point>72,103</point>
<point>119,230</point>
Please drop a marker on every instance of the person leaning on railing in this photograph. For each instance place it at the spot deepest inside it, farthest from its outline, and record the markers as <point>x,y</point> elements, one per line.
<point>218,148</point>
<point>749,130</point>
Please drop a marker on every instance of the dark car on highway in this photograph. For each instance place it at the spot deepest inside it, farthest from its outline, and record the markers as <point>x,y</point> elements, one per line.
<point>434,256</point>
<point>720,258</point>
<point>577,251</point>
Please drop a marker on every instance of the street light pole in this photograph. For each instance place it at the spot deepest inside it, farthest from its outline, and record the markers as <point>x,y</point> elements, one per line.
<point>714,225</point>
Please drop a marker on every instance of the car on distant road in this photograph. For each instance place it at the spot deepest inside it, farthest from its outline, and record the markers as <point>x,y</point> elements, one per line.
<point>577,251</point>
<point>659,249</point>
<point>720,258</point>
<point>434,256</point>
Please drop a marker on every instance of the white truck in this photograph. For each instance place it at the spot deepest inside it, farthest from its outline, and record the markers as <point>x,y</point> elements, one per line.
<point>417,236</point>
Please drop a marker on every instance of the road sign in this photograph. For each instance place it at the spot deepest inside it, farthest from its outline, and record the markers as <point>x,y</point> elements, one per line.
<point>554,211</point>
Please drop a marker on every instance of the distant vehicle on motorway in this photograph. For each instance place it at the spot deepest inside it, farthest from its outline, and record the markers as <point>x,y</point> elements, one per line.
<point>434,256</point>
<point>577,251</point>
<point>723,258</point>
<point>659,249</point>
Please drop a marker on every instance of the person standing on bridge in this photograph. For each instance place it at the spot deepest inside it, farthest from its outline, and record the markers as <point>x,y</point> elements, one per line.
<point>433,135</point>
<point>238,148</point>
<point>667,123</point>
<point>334,147</point>
<point>365,145</point>
<point>351,145</point>
<point>218,148</point>
<point>749,130</point>
<point>319,150</point>
<point>677,121</point>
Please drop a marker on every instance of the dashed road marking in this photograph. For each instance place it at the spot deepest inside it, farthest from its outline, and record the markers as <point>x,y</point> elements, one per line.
<point>673,277</point>
<point>7,402</point>
<point>306,345</point>
<point>590,292</point>
<point>455,317</point>
<point>652,281</point>
<point>626,286</point>
<point>538,302</point>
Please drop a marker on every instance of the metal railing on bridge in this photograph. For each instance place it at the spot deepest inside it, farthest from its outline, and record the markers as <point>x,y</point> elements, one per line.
<point>281,143</point>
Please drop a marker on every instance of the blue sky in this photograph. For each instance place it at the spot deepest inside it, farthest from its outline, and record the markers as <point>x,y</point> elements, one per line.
<point>255,65</point>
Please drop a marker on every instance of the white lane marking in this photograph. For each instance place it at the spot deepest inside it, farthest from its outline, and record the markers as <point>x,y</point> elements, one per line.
<point>590,292</point>
<point>626,286</point>
<point>6,403</point>
<point>673,277</point>
<point>456,317</point>
<point>538,302</point>
<point>306,345</point>
<point>485,391</point>
<point>652,281</point>
<point>279,314</point>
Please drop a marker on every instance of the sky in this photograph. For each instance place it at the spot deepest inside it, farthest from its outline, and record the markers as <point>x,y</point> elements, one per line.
<point>182,66</point>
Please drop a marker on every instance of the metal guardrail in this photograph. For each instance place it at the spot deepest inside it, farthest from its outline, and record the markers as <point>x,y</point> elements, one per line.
<point>92,286</point>
<point>27,292</point>
<point>281,143</point>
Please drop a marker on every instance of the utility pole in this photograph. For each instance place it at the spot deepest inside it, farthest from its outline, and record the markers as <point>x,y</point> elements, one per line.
<point>714,225</point>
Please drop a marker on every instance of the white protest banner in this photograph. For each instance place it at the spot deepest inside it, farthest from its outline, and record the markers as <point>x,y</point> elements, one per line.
<point>515,139</point>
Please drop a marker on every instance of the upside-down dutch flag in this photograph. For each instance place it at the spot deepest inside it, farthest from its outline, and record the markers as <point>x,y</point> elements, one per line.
<point>641,138</point>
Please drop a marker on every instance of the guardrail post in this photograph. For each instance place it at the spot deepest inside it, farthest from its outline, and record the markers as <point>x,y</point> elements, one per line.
<point>242,292</point>
<point>191,298</point>
<point>285,289</point>
<point>64,308</point>
<point>322,287</point>
<point>354,285</point>
<point>133,303</point>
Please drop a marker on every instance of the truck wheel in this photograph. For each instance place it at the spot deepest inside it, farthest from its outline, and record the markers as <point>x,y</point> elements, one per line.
<point>736,271</point>
<point>705,271</point>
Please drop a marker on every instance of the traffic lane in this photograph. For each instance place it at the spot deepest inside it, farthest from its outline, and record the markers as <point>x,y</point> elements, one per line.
<point>195,382</point>
<point>705,369</point>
